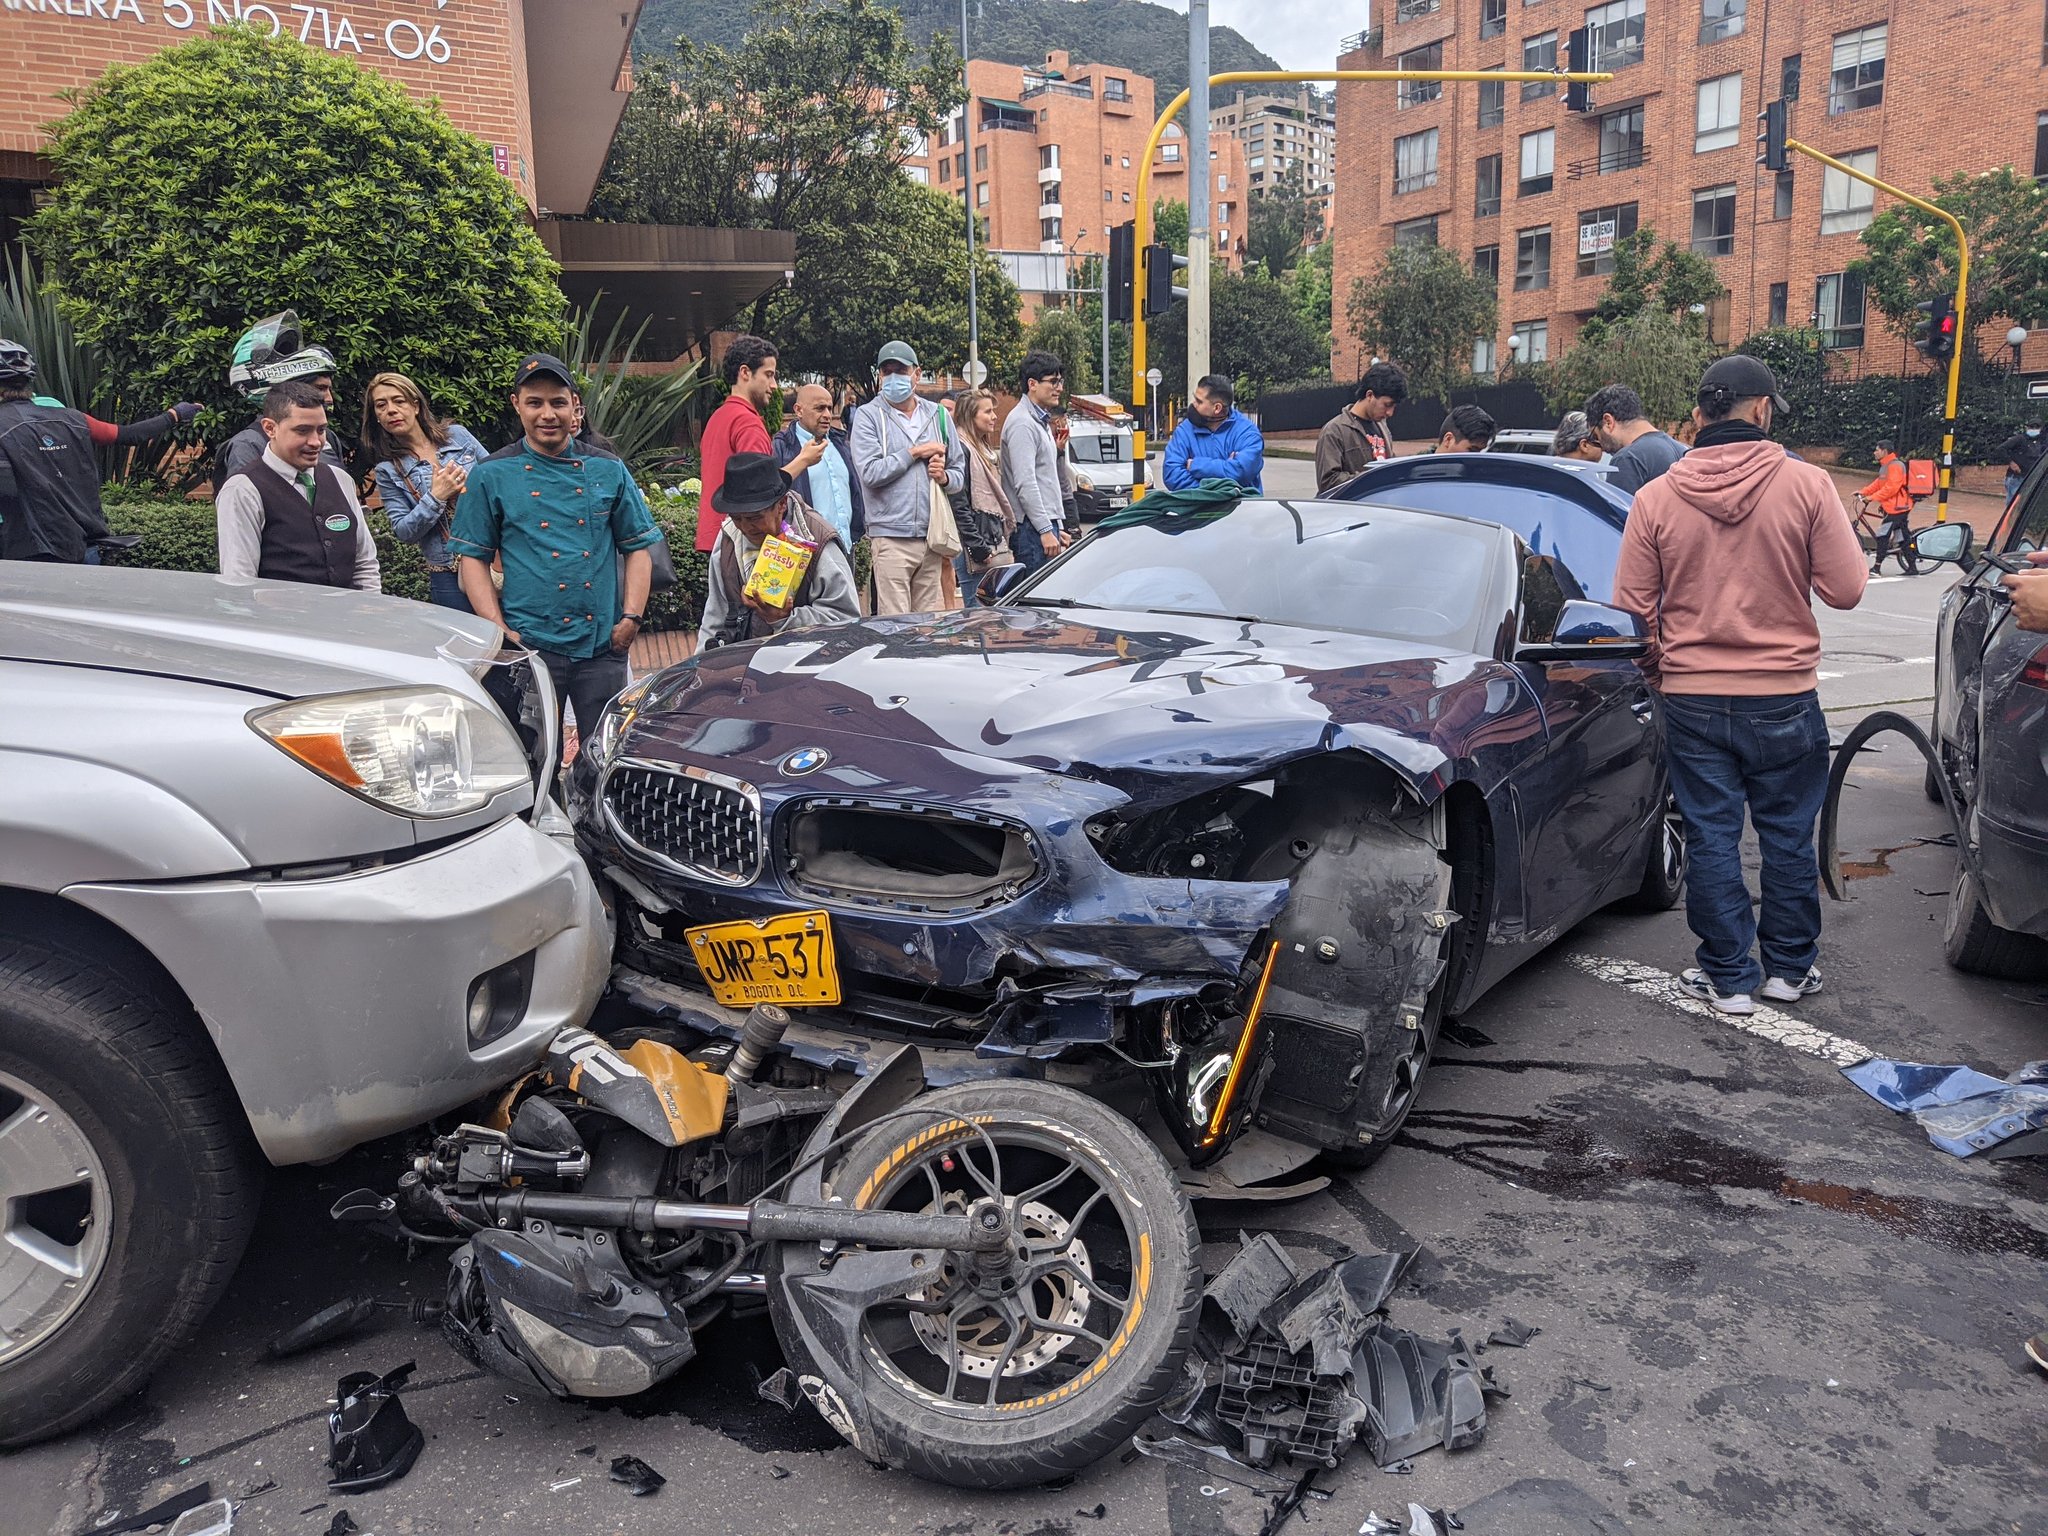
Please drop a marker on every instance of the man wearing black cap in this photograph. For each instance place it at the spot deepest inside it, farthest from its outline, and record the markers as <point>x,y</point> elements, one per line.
<point>1722,557</point>
<point>757,500</point>
<point>559,517</point>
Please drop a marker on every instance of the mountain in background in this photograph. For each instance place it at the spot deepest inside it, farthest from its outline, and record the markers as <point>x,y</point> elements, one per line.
<point>1126,34</point>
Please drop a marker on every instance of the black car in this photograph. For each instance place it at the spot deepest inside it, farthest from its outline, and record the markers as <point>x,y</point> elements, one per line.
<point>1240,806</point>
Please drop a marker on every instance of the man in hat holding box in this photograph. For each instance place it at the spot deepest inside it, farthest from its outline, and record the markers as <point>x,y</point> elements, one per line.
<point>758,502</point>
<point>1721,557</point>
<point>559,517</point>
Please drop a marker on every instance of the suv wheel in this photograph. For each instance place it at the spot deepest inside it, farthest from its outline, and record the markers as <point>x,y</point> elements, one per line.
<point>127,1188</point>
<point>1976,944</point>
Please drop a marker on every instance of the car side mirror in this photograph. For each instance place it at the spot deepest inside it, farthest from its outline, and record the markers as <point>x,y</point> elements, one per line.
<point>1590,631</point>
<point>994,583</point>
<point>1945,543</point>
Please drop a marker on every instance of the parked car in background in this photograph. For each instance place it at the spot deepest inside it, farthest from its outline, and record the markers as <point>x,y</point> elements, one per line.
<point>277,877</point>
<point>1522,440</point>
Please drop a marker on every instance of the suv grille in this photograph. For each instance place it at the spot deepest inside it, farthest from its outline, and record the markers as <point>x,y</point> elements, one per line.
<point>688,819</point>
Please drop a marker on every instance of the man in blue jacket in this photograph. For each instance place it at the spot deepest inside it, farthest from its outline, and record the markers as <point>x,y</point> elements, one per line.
<point>1213,442</point>
<point>813,449</point>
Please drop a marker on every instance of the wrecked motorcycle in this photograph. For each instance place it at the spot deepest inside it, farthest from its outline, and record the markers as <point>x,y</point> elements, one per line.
<point>990,1284</point>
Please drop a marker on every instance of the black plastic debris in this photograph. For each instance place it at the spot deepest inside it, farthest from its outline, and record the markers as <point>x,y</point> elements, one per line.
<point>343,1524</point>
<point>781,1389</point>
<point>1254,1280</point>
<point>1099,1512</point>
<point>1418,1394</point>
<point>1329,1312</point>
<point>158,1514</point>
<point>323,1327</point>
<point>642,1479</point>
<point>1513,1333</point>
<point>370,1441</point>
<point>1280,1405</point>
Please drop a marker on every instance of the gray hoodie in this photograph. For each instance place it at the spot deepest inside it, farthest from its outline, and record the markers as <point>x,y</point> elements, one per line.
<point>898,491</point>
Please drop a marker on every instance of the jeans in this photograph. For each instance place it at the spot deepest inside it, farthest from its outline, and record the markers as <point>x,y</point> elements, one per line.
<point>588,682</point>
<point>1770,753</point>
<point>2012,484</point>
<point>1026,544</point>
<point>444,590</point>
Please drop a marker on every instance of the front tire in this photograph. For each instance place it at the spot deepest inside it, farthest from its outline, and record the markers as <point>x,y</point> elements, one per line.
<point>1663,884</point>
<point>970,1392</point>
<point>127,1188</point>
<point>1974,943</point>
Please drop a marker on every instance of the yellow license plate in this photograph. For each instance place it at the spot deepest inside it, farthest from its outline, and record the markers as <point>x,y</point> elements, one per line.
<point>786,959</point>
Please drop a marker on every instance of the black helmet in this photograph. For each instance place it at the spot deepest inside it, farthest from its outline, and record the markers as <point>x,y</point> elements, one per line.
<point>17,365</point>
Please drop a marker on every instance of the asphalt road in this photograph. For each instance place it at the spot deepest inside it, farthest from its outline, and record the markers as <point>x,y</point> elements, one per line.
<point>1766,1303</point>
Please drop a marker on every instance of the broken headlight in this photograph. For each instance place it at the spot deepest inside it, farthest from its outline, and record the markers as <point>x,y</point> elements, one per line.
<point>418,751</point>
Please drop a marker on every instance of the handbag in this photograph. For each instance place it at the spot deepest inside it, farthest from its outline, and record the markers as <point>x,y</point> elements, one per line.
<point>942,533</point>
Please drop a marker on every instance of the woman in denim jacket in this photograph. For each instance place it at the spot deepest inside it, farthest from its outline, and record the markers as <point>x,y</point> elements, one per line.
<point>422,465</point>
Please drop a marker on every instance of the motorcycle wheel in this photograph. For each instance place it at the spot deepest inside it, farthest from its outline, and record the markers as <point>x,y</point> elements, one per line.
<point>997,1385</point>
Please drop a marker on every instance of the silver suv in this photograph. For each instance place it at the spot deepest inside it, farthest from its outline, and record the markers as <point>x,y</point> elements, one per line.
<point>275,879</point>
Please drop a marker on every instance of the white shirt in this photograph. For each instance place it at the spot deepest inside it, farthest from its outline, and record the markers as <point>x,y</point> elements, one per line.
<point>238,519</point>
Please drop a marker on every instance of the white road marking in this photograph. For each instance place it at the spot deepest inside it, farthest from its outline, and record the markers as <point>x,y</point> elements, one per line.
<point>1827,677</point>
<point>1917,661</point>
<point>1879,581</point>
<point>1767,1023</point>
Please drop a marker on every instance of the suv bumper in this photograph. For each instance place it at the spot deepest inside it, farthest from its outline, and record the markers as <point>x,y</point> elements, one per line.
<point>339,1006</point>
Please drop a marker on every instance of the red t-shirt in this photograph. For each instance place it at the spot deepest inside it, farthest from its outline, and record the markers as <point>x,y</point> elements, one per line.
<point>735,427</point>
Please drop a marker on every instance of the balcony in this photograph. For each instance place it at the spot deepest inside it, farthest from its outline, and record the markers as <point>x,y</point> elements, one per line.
<point>1051,211</point>
<point>1048,174</point>
<point>1609,163</point>
<point>1058,88</point>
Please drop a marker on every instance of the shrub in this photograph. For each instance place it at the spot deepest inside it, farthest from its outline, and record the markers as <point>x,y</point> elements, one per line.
<point>236,175</point>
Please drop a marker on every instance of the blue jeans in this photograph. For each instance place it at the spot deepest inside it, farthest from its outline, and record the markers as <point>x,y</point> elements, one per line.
<point>444,589</point>
<point>1770,754</point>
<point>1026,544</point>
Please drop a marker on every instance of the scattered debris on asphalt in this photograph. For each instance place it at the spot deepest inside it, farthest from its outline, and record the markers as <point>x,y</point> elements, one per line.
<point>216,1517</point>
<point>781,1389</point>
<point>567,1482</point>
<point>1964,1111</point>
<point>370,1441</point>
<point>1421,1522</point>
<point>157,1514</point>
<point>343,1524</point>
<point>323,1327</point>
<point>1512,1333</point>
<point>636,1475</point>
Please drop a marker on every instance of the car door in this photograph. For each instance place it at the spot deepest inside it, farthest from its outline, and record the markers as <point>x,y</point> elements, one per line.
<point>1972,616</point>
<point>1593,788</point>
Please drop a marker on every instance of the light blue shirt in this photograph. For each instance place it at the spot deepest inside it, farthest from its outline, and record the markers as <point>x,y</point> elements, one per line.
<point>831,488</point>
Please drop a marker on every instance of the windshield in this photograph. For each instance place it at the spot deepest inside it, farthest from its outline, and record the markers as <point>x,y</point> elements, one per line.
<point>1368,570</point>
<point>1088,445</point>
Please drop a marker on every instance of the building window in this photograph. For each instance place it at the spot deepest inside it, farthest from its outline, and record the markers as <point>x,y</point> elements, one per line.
<point>2041,146</point>
<point>1485,357</point>
<point>1529,342</point>
<point>981,157</point>
<point>1493,18</point>
<point>1048,195</point>
<point>1789,69</point>
<point>1838,300</point>
<point>1616,34</point>
<point>945,170</point>
<point>1415,161</point>
<point>1721,18</point>
<point>1486,200</point>
<point>1413,93</point>
<point>1127,197</point>
<point>1048,229</point>
<point>1126,162</point>
<point>960,166</point>
<point>1169,151</point>
<point>1486,262</point>
<point>1532,259</point>
<point>1846,203</point>
<point>1048,157</point>
<point>1115,89</point>
<point>918,174</point>
<point>1718,119</point>
<point>1493,102</point>
<point>1416,231</point>
<point>1721,318</point>
<point>1108,196</point>
<point>1598,230</point>
<point>1779,294</point>
<point>1713,221</point>
<point>1539,52</point>
<point>1408,10</point>
<point>1621,140</point>
<point>1857,76</point>
<point>1781,195</point>
<point>1539,162</point>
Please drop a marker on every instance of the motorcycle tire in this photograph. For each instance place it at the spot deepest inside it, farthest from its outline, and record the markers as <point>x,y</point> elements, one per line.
<point>1045,1412</point>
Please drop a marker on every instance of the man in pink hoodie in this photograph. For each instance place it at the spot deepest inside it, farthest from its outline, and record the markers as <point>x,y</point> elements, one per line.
<point>1722,557</point>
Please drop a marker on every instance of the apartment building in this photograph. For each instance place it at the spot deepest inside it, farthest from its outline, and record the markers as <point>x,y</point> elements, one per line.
<point>1282,134</point>
<point>1903,92</point>
<point>1048,156</point>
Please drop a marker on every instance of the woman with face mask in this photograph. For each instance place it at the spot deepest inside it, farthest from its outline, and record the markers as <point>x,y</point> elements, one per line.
<point>2021,452</point>
<point>422,465</point>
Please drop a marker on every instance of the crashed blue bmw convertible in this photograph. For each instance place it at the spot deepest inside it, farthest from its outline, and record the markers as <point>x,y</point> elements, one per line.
<point>1234,802</point>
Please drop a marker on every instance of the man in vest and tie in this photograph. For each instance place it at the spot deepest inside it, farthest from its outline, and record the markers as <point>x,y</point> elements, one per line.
<point>290,515</point>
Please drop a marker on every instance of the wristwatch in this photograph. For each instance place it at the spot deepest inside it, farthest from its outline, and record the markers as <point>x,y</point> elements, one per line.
<point>637,618</point>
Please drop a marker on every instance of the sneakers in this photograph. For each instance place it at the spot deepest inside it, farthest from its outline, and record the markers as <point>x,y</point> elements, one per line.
<point>1779,991</point>
<point>1696,983</point>
<point>2037,1350</point>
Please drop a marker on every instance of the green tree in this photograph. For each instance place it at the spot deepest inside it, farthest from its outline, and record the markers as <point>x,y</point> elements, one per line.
<point>1646,277</point>
<point>1312,279</point>
<point>236,175</point>
<point>1648,330</point>
<point>1066,335</point>
<point>1257,335</point>
<point>1281,218</point>
<point>1423,309</point>
<point>1912,256</point>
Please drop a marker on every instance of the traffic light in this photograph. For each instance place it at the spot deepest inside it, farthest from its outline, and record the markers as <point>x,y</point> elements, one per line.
<point>1122,271</point>
<point>1578,53</point>
<point>1160,292</point>
<point>1771,153</point>
<point>1934,336</point>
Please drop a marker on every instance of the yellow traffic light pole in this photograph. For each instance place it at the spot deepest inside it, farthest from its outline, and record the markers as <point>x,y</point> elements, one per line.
<point>1143,219</point>
<point>1955,360</point>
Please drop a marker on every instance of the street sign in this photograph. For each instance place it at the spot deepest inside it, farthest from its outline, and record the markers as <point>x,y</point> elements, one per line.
<point>977,373</point>
<point>2037,389</point>
<point>1154,377</point>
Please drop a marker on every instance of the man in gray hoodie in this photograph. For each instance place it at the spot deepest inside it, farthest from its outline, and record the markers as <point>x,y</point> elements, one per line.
<point>1030,463</point>
<point>902,448</point>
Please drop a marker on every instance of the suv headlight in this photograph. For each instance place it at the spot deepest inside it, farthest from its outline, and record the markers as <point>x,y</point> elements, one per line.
<point>420,751</point>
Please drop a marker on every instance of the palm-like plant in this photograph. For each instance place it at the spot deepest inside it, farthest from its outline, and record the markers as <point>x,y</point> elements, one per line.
<point>636,411</point>
<point>66,368</point>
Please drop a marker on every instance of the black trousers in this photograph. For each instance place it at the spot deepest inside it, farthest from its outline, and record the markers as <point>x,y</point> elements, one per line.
<point>1892,530</point>
<point>587,682</point>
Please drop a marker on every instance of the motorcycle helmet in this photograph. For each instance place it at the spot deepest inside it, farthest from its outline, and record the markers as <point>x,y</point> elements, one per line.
<point>17,365</point>
<point>271,352</point>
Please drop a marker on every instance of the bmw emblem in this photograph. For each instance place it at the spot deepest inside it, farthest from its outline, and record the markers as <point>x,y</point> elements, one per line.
<point>805,760</point>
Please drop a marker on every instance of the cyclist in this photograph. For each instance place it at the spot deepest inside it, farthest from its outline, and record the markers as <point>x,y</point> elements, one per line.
<point>272,352</point>
<point>1894,502</point>
<point>49,475</point>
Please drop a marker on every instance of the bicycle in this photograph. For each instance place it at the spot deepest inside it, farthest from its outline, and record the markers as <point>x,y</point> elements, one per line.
<point>1878,540</point>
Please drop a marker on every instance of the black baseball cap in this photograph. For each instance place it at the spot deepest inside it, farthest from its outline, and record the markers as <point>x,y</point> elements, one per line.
<point>534,364</point>
<point>1744,377</point>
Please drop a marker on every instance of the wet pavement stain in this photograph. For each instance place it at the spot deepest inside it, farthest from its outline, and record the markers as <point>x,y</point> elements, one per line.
<point>720,1390</point>
<point>1566,1159</point>
<point>1880,860</point>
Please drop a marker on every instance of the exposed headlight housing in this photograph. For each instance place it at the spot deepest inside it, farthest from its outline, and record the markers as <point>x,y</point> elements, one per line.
<point>618,719</point>
<point>425,752</point>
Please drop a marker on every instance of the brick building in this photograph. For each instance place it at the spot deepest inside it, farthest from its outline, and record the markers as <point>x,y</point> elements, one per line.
<point>1050,155</point>
<point>542,82</point>
<point>1509,179</point>
<point>1282,133</point>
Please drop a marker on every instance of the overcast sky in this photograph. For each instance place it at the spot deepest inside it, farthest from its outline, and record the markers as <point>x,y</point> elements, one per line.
<point>1301,34</point>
